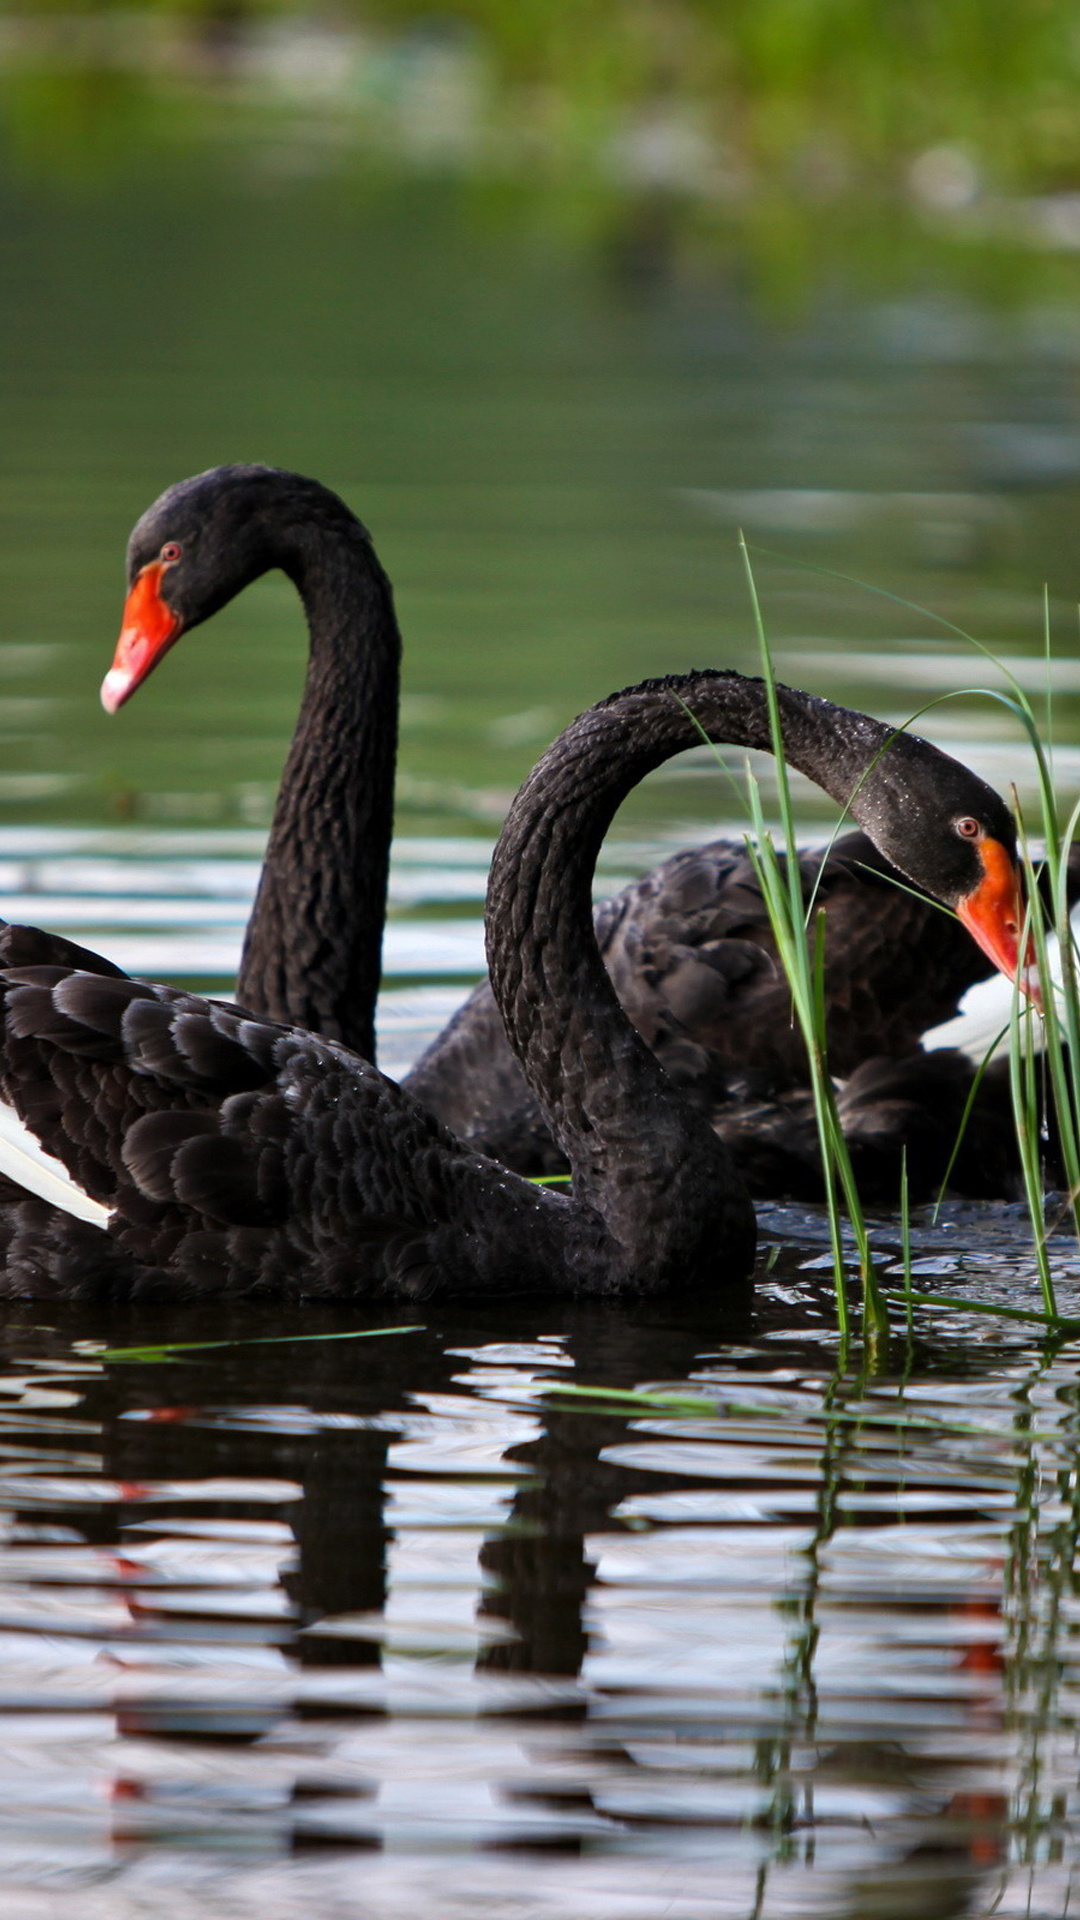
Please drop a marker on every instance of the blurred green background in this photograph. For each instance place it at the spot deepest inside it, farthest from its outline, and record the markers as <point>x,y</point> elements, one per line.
<point>560,295</point>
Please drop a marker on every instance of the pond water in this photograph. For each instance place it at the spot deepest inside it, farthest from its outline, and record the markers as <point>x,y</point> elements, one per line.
<point>402,1624</point>
<point>301,1623</point>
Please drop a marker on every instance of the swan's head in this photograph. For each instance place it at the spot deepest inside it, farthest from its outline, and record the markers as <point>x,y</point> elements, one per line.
<point>953,835</point>
<point>199,545</point>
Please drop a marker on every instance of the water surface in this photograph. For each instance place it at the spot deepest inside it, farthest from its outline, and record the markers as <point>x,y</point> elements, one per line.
<point>386,1626</point>
<point>389,1621</point>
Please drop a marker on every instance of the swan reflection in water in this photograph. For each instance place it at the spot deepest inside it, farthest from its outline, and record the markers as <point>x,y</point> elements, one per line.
<point>642,1686</point>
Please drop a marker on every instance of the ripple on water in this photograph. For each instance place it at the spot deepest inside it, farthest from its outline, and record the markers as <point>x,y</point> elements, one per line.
<point>298,1626</point>
<point>282,1605</point>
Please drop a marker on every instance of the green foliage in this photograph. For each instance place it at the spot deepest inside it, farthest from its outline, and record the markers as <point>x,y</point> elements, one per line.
<point>1044,1065</point>
<point>808,94</point>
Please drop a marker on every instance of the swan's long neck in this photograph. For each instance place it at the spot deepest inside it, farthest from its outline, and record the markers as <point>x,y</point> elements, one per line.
<point>314,941</point>
<point>628,1134</point>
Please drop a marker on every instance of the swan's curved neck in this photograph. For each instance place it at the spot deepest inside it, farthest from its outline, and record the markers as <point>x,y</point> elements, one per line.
<point>314,941</point>
<point>621,1123</point>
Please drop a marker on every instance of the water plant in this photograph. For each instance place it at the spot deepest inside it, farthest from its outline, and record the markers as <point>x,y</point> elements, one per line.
<point>1042,1028</point>
<point>803,961</point>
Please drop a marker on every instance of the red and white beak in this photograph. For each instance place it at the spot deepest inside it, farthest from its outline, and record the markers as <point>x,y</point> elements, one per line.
<point>994,916</point>
<point>147,631</point>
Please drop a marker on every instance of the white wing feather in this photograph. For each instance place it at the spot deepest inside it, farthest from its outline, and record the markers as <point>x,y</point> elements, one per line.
<point>985,1010</point>
<point>28,1164</point>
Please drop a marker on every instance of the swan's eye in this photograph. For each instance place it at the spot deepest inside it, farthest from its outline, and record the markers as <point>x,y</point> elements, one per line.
<point>170,552</point>
<point>967,827</point>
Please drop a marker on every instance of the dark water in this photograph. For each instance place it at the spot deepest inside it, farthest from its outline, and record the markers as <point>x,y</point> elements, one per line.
<point>382,1626</point>
<point>387,1625</point>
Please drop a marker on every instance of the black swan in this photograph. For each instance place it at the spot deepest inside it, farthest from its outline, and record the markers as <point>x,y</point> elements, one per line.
<point>314,941</point>
<point>241,1155</point>
<point>688,946</point>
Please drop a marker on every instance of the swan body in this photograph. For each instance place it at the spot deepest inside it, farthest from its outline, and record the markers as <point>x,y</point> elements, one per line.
<point>692,957</point>
<point>238,1154</point>
<point>688,947</point>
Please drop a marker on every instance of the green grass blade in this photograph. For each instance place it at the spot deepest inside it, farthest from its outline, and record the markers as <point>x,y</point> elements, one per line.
<point>167,1349</point>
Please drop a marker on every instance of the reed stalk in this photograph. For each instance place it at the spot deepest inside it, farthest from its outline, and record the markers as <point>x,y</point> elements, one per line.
<point>1044,1065</point>
<point>799,932</point>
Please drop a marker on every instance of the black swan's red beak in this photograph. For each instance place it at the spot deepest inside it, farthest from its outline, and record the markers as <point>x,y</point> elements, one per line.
<point>993,914</point>
<point>147,631</point>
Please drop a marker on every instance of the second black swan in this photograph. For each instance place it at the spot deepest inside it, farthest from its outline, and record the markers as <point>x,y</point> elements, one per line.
<point>239,1155</point>
<point>688,947</point>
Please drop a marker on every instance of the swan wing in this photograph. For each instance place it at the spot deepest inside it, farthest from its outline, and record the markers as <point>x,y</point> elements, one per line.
<point>231,1152</point>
